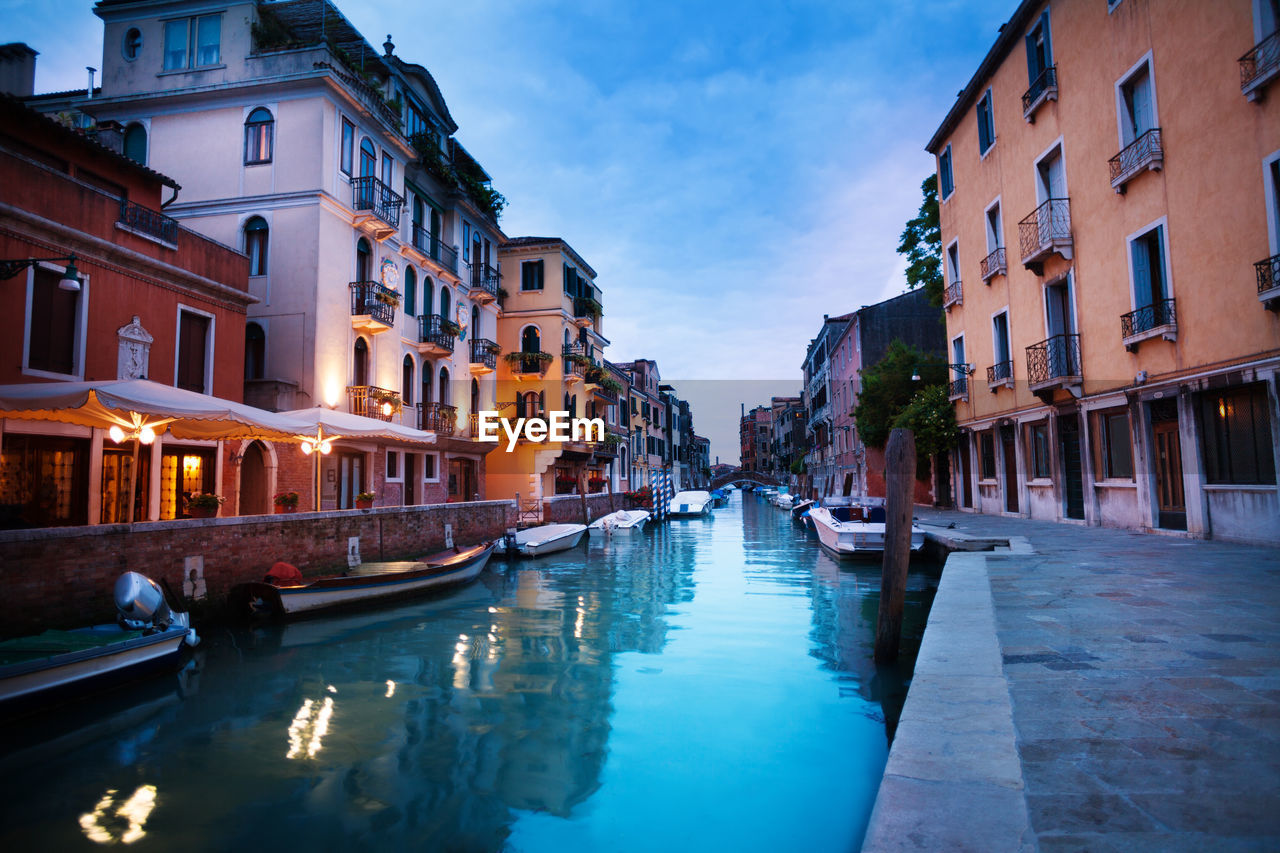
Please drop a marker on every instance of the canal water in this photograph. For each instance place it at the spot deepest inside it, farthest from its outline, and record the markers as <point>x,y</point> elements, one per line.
<point>706,685</point>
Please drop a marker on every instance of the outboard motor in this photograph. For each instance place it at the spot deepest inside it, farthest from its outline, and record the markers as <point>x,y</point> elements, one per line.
<point>141,603</point>
<point>509,542</point>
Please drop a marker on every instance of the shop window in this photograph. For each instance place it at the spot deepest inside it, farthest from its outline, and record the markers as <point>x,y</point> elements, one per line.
<point>1235,428</point>
<point>1112,446</point>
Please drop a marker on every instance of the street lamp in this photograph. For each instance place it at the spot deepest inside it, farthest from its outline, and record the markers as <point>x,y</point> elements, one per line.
<point>70,279</point>
<point>965,368</point>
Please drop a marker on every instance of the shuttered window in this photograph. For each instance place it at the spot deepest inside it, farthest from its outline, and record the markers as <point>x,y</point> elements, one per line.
<point>193,342</point>
<point>54,316</point>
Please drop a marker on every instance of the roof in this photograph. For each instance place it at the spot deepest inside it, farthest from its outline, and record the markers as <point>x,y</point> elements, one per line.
<point>515,242</point>
<point>1010,34</point>
<point>320,21</point>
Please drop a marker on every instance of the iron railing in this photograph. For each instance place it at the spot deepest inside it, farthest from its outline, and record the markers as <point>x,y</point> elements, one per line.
<point>371,299</point>
<point>993,265</point>
<point>953,295</point>
<point>958,388</point>
<point>149,222</point>
<point>1047,225</point>
<point>1148,317</point>
<point>484,352</point>
<point>1001,371</point>
<point>1046,83</point>
<point>1268,272</point>
<point>435,248</point>
<point>486,278</point>
<point>1260,62</point>
<point>1145,151</point>
<point>370,193</point>
<point>586,306</point>
<point>439,418</point>
<point>434,329</point>
<point>370,401</point>
<point>575,360</point>
<point>1057,357</point>
<point>529,362</point>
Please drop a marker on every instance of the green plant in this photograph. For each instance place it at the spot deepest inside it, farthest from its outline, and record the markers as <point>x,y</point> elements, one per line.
<point>608,383</point>
<point>578,358</point>
<point>204,500</point>
<point>888,387</point>
<point>387,297</point>
<point>365,496</point>
<point>286,499</point>
<point>921,242</point>
<point>520,360</point>
<point>932,418</point>
<point>449,327</point>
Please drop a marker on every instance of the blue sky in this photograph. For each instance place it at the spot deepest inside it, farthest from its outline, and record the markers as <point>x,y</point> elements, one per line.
<point>733,171</point>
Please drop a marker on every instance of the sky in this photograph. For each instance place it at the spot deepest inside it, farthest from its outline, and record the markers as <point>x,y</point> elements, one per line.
<point>732,170</point>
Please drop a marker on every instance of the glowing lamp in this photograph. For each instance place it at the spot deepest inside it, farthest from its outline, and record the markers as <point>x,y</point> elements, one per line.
<point>326,447</point>
<point>386,410</point>
<point>117,434</point>
<point>306,448</point>
<point>147,436</point>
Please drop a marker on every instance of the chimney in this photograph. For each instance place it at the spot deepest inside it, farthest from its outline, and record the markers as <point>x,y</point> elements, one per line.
<point>88,93</point>
<point>110,134</point>
<point>17,70</point>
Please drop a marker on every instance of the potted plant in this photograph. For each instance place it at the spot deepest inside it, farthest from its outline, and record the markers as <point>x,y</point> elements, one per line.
<point>364,500</point>
<point>203,505</point>
<point>286,502</point>
<point>641,498</point>
<point>387,297</point>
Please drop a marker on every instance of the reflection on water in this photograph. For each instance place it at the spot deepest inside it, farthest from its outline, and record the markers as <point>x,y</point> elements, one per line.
<point>703,686</point>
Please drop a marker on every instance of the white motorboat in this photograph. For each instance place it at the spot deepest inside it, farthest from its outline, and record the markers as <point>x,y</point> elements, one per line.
<point>855,531</point>
<point>783,500</point>
<point>798,508</point>
<point>622,521</point>
<point>546,539</point>
<point>690,504</point>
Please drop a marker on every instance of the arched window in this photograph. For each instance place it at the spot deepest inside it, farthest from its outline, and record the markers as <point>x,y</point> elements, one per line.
<point>255,244</point>
<point>428,295</point>
<point>406,381</point>
<point>360,363</point>
<point>135,143</point>
<point>131,44</point>
<point>368,158</point>
<point>444,302</point>
<point>475,322</point>
<point>364,261</point>
<point>255,351</point>
<point>444,386</point>
<point>566,402</point>
<point>410,291</point>
<point>477,262</point>
<point>566,338</point>
<point>530,340</point>
<point>257,136</point>
<point>427,377</point>
<point>475,396</point>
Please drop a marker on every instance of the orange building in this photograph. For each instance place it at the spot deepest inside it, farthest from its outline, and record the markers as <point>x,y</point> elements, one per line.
<point>1109,188</point>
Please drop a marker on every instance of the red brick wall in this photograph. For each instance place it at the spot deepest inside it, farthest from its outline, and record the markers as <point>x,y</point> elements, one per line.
<point>567,509</point>
<point>63,577</point>
<point>876,482</point>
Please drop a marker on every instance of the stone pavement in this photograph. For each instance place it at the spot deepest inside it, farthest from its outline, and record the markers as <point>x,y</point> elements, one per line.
<point>1091,689</point>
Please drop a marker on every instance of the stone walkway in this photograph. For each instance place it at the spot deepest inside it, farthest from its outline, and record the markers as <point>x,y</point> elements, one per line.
<point>1143,676</point>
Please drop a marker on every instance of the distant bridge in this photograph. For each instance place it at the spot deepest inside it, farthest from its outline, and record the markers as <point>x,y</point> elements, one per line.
<point>738,477</point>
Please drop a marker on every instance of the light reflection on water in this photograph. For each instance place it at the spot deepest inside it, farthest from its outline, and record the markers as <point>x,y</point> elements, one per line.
<point>707,685</point>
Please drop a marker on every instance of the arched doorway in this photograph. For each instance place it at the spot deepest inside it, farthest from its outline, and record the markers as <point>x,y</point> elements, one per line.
<point>360,363</point>
<point>530,340</point>
<point>406,381</point>
<point>255,481</point>
<point>475,396</point>
<point>364,261</point>
<point>444,386</point>
<point>444,303</point>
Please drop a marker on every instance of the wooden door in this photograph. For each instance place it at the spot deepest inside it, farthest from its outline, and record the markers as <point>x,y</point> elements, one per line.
<point>1172,504</point>
<point>1010,469</point>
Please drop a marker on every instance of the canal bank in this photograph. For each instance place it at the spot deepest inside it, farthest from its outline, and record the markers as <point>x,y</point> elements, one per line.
<point>1088,688</point>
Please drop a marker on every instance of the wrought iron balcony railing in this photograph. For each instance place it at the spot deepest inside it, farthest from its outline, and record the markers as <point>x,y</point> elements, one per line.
<point>1047,229</point>
<point>138,218</point>
<point>369,193</point>
<point>370,401</point>
<point>371,299</point>
<point>1000,373</point>
<point>585,306</point>
<point>484,352</point>
<point>1054,360</point>
<point>1259,66</point>
<point>529,362</point>
<point>958,388</point>
<point>486,278</point>
<point>1268,272</point>
<point>435,248</point>
<point>1158,315</point>
<point>1145,152</point>
<point>953,295</point>
<point>439,418</point>
<point>993,265</point>
<point>434,329</point>
<point>1044,88</point>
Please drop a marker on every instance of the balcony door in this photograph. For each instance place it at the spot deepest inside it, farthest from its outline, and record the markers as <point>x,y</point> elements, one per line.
<point>1052,177</point>
<point>360,363</point>
<point>1058,324</point>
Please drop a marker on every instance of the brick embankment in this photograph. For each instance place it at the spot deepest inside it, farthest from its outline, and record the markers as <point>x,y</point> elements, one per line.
<point>567,509</point>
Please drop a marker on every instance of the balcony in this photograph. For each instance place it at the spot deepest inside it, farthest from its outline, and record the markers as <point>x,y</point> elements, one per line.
<point>953,295</point>
<point>484,356</point>
<point>576,363</point>
<point>1258,67</point>
<point>370,401</point>
<point>528,365</point>
<point>1054,363</point>
<point>433,249</point>
<point>438,418</point>
<point>1000,375</point>
<point>1046,231</point>
<point>993,265</point>
<point>373,307</point>
<point>148,223</point>
<point>1145,152</point>
<point>586,310</point>
<point>958,389</point>
<point>1045,88</point>
<point>1151,321</point>
<point>377,206</point>
<point>1268,273</point>
<point>483,283</point>
<point>436,335</point>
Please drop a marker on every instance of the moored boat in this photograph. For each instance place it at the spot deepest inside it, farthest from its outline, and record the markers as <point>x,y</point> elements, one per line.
<point>854,531</point>
<point>798,509</point>
<point>622,521</point>
<point>690,504</point>
<point>545,539</point>
<point>282,596</point>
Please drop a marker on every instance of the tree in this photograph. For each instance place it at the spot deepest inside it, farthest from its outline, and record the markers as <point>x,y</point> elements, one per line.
<point>921,242</point>
<point>932,418</point>
<point>888,389</point>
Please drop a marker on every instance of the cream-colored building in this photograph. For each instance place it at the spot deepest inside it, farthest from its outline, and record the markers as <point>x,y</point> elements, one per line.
<point>1109,188</point>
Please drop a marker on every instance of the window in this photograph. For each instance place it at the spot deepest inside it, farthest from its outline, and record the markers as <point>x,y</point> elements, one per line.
<point>1150,286</point>
<point>1235,429</point>
<point>410,292</point>
<point>429,467</point>
<point>255,244</point>
<point>571,285</point>
<point>393,465</point>
<point>466,241</point>
<point>54,332</point>
<point>194,341</point>
<point>995,237</point>
<point>135,143</point>
<point>953,262</point>
<point>987,445</point>
<point>1051,176</point>
<point>406,381</point>
<point>257,136</point>
<point>1113,449</point>
<point>986,124</point>
<point>368,158</point>
<point>192,42</point>
<point>388,169</point>
<point>1038,447</point>
<point>255,351</point>
<point>348,145</point>
<point>1000,339</point>
<point>530,340</point>
<point>1137,108</point>
<point>1039,50</point>
<point>131,46</point>
<point>531,275</point>
<point>946,184</point>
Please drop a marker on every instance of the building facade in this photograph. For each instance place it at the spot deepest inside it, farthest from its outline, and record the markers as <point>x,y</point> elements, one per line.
<point>1110,233</point>
<point>819,479</point>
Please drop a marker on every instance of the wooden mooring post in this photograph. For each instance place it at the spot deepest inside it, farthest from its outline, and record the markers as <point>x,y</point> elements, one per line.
<point>899,476</point>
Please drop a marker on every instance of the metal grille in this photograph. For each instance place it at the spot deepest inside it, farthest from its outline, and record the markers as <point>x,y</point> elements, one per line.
<point>434,329</point>
<point>486,278</point>
<point>439,418</point>
<point>1000,371</point>
<point>371,299</point>
<point>369,193</point>
<point>1057,357</point>
<point>484,352</point>
<point>1148,317</point>
<point>959,387</point>
<point>148,221</point>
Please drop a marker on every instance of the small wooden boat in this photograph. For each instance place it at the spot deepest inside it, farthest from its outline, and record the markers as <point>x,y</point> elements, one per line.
<point>799,508</point>
<point>690,504</point>
<point>366,584</point>
<point>622,521</point>
<point>545,539</point>
<point>855,531</point>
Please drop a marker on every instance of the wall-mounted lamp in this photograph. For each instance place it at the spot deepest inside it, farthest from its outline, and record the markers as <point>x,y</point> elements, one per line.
<point>70,279</point>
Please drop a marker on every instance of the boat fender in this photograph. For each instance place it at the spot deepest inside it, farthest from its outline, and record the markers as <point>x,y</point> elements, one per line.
<point>284,574</point>
<point>191,639</point>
